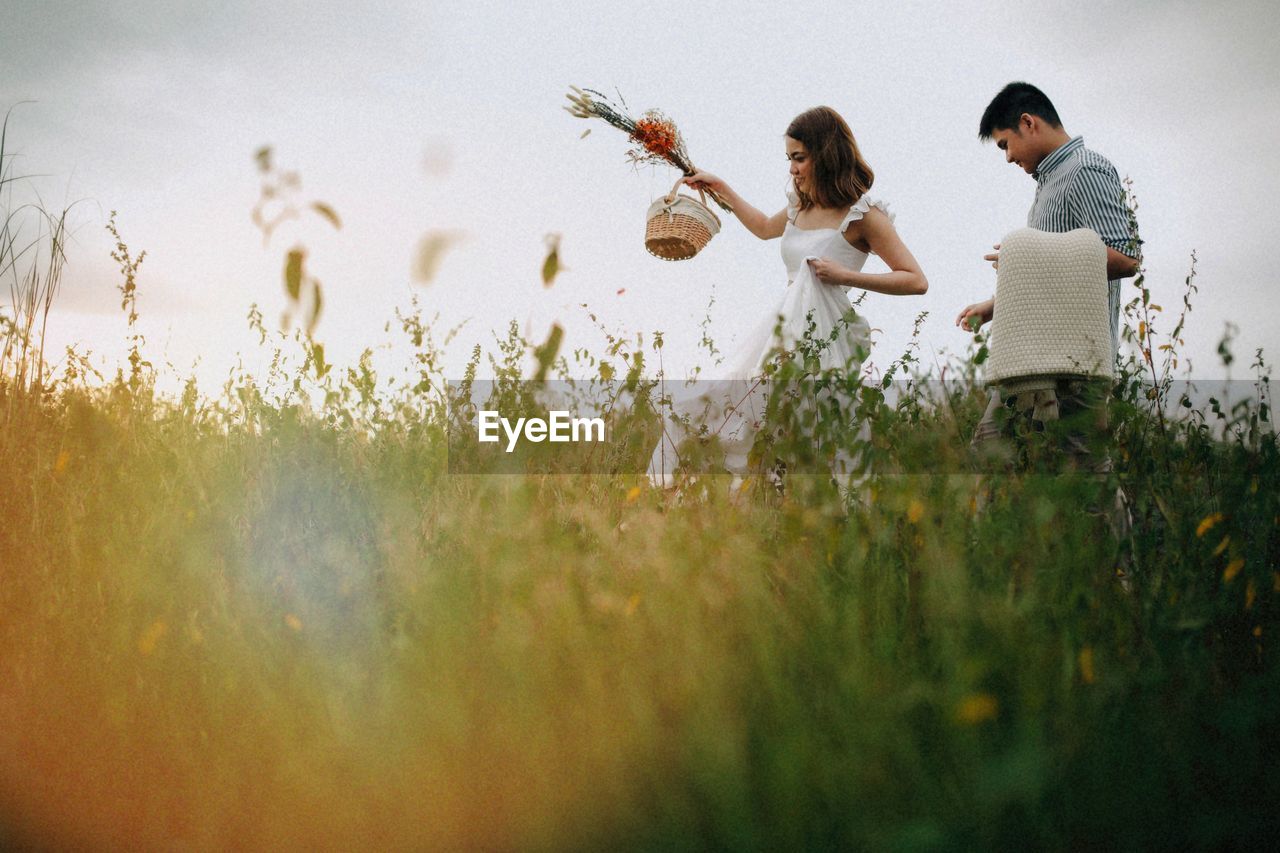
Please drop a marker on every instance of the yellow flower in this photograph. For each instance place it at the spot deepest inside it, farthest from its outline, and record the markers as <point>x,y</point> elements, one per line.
<point>293,621</point>
<point>977,708</point>
<point>1233,568</point>
<point>915,511</point>
<point>1207,523</point>
<point>1086,664</point>
<point>147,641</point>
<point>1222,546</point>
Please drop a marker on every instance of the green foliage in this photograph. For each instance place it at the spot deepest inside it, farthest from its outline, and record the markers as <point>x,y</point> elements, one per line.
<point>586,661</point>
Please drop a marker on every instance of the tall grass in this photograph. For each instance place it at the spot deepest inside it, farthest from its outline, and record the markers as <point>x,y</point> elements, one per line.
<point>272,617</point>
<point>32,257</point>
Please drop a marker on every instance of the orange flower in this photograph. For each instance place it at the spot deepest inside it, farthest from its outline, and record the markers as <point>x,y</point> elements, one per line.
<point>659,138</point>
<point>1207,523</point>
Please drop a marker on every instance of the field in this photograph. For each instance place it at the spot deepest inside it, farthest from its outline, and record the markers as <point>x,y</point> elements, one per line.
<point>278,617</point>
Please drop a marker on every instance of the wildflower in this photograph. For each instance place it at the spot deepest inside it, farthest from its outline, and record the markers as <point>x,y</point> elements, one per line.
<point>1233,568</point>
<point>150,637</point>
<point>632,494</point>
<point>1086,664</point>
<point>977,708</point>
<point>915,511</point>
<point>1207,523</point>
<point>1222,546</point>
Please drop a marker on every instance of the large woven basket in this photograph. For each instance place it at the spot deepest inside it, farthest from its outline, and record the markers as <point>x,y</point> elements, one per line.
<point>1052,316</point>
<point>678,226</point>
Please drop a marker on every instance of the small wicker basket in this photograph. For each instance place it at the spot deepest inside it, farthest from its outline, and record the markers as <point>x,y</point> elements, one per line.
<point>679,226</point>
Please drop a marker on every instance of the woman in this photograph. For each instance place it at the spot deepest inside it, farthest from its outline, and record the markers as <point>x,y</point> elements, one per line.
<point>828,228</point>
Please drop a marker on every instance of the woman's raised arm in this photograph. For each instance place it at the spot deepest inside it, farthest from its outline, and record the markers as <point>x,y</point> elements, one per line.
<point>760,224</point>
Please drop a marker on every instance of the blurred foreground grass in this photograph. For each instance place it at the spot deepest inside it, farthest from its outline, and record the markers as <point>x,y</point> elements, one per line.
<point>254,624</point>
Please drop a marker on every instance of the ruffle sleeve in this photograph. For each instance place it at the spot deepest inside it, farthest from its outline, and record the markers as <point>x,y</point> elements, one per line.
<point>793,203</point>
<point>860,209</point>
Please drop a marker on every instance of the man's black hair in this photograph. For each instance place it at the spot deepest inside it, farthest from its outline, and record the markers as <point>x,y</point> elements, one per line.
<point>1007,107</point>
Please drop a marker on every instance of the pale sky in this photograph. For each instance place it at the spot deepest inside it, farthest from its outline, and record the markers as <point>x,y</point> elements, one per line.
<point>409,118</point>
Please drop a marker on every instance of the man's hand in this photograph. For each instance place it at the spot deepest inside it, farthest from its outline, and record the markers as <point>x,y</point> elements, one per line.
<point>994,257</point>
<point>973,316</point>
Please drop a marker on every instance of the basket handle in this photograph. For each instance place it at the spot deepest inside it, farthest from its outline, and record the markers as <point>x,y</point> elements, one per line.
<point>671,196</point>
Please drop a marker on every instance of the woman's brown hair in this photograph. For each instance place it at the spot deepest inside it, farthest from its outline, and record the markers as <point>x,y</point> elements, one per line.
<point>840,175</point>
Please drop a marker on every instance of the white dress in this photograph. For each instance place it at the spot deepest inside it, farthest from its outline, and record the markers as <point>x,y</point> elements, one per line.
<point>732,408</point>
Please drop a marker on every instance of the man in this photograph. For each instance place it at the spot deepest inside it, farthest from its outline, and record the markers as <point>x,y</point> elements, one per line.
<point>1075,188</point>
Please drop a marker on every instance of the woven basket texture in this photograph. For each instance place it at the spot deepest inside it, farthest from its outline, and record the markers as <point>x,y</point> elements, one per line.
<point>1051,307</point>
<point>677,230</point>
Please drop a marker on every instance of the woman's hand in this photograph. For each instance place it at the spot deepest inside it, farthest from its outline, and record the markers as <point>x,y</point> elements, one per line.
<point>706,181</point>
<point>828,272</point>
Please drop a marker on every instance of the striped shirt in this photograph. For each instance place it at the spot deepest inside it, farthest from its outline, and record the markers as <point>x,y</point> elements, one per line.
<point>1079,188</point>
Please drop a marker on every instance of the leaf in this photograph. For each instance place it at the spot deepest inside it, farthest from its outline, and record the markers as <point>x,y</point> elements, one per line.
<point>1168,514</point>
<point>317,355</point>
<point>293,273</point>
<point>431,249</point>
<point>551,266</point>
<point>263,156</point>
<point>317,304</point>
<point>584,133</point>
<point>546,353</point>
<point>327,212</point>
